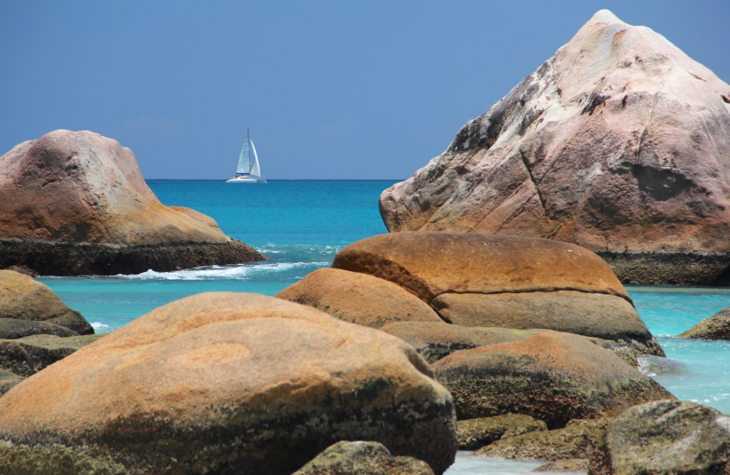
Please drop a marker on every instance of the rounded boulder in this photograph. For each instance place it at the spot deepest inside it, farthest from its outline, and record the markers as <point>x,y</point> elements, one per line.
<point>551,376</point>
<point>358,298</point>
<point>231,383</point>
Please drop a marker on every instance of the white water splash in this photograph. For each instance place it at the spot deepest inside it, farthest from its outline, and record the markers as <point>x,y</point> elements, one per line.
<point>100,327</point>
<point>233,272</point>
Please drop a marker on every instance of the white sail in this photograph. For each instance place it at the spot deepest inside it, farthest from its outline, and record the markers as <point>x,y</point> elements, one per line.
<point>244,160</point>
<point>249,170</point>
<point>255,168</point>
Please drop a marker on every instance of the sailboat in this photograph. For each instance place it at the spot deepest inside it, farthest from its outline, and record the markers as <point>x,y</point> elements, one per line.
<point>249,170</point>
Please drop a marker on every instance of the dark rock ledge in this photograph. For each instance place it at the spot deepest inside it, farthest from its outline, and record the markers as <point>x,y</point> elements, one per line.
<point>84,258</point>
<point>656,268</point>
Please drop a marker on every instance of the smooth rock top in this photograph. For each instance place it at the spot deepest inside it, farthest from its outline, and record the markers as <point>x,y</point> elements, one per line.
<point>22,298</point>
<point>179,386</point>
<point>431,263</point>
<point>82,187</point>
<point>619,142</point>
<point>358,298</point>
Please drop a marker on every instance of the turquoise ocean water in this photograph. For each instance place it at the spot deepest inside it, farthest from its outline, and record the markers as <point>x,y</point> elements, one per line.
<point>301,225</point>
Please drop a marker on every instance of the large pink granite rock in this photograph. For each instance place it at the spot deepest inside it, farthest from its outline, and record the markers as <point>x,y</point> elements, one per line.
<point>76,202</point>
<point>619,143</point>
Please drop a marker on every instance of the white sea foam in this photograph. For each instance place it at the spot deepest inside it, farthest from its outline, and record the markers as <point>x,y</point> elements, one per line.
<point>235,272</point>
<point>100,327</point>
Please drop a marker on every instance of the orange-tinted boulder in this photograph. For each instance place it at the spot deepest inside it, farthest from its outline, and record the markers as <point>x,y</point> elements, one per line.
<point>229,383</point>
<point>482,280</point>
<point>22,298</point>
<point>358,298</point>
<point>76,202</point>
<point>552,376</point>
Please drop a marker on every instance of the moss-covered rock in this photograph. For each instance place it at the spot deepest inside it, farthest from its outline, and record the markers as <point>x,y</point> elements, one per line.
<point>716,327</point>
<point>476,433</point>
<point>552,376</point>
<point>665,438</point>
<point>362,458</point>
<point>575,441</point>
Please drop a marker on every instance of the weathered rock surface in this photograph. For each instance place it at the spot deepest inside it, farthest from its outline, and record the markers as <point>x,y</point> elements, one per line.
<point>618,143</point>
<point>358,298</point>
<point>23,298</point>
<point>483,280</point>
<point>476,433</point>
<point>434,341</point>
<point>12,328</point>
<point>554,377</point>
<point>229,383</point>
<point>76,203</point>
<point>665,437</point>
<point>8,380</point>
<point>362,458</point>
<point>28,355</point>
<point>572,444</point>
<point>716,327</point>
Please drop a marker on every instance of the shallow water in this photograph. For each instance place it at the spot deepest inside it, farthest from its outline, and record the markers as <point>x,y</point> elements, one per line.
<point>301,225</point>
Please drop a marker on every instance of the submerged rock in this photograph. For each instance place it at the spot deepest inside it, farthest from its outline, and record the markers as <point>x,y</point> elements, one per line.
<point>358,298</point>
<point>665,437</point>
<point>554,377</point>
<point>76,203</point>
<point>716,327</point>
<point>618,143</point>
<point>228,383</point>
<point>479,280</point>
<point>362,458</point>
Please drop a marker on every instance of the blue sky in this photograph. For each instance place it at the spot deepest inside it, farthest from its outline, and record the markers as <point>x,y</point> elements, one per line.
<point>330,89</point>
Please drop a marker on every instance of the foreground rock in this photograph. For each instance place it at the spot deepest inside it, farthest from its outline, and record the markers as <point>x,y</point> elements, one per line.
<point>572,445</point>
<point>554,377</point>
<point>227,383</point>
<point>665,437</point>
<point>716,327</point>
<point>476,433</point>
<point>618,143</point>
<point>76,203</point>
<point>362,458</point>
<point>480,280</point>
<point>358,298</point>
<point>22,298</point>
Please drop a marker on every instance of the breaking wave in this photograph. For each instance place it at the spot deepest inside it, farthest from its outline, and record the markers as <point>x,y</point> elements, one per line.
<point>232,272</point>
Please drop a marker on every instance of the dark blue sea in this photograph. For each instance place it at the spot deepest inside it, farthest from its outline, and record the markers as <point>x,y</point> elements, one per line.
<point>301,225</point>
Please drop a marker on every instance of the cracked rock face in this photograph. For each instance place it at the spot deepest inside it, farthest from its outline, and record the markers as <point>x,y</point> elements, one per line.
<point>619,143</point>
<point>227,383</point>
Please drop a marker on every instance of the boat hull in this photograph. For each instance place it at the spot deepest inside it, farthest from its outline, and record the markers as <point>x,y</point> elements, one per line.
<point>245,180</point>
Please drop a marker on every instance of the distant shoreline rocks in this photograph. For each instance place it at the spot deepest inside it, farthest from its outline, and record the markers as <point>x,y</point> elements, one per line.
<point>75,203</point>
<point>618,143</point>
